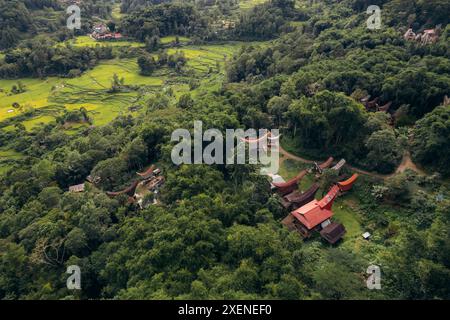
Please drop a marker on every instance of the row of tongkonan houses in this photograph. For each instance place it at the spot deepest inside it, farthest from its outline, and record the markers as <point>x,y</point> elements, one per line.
<point>307,213</point>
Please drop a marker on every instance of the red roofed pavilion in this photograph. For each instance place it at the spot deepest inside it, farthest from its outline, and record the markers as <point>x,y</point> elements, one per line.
<point>314,213</point>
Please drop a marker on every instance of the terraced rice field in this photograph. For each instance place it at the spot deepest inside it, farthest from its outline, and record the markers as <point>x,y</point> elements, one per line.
<point>87,41</point>
<point>52,95</point>
<point>169,39</point>
<point>7,157</point>
<point>248,4</point>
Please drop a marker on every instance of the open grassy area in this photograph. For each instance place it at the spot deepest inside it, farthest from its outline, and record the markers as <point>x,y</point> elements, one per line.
<point>290,168</point>
<point>37,121</point>
<point>116,14</point>
<point>87,41</point>
<point>36,95</point>
<point>248,4</point>
<point>9,154</point>
<point>348,217</point>
<point>169,39</point>
<point>7,157</point>
<point>90,90</point>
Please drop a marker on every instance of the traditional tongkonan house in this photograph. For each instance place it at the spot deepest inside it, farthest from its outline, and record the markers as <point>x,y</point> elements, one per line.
<point>372,105</point>
<point>320,167</point>
<point>284,188</point>
<point>338,166</point>
<point>155,183</point>
<point>273,141</point>
<point>409,35</point>
<point>297,199</point>
<point>148,173</point>
<point>309,217</point>
<point>429,36</point>
<point>348,184</point>
<point>102,32</point>
<point>77,188</point>
<point>130,191</point>
<point>316,215</point>
<point>93,180</point>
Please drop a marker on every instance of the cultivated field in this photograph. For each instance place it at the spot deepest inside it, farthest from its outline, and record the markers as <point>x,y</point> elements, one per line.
<point>50,96</point>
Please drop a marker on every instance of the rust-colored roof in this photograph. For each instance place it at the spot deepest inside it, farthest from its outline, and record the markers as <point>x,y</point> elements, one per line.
<point>148,172</point>
<point>385,107</point>
<point>311,215</point>
<point>315,212</point>
<point>291,182</point>
<point>348,184</point>
<point>301,199</point>
<point>327,201</point>
<point>256,140</point>
<point>129,191</point>
<point>327,163</point>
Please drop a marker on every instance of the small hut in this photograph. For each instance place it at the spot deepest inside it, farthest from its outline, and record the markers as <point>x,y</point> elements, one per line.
<point>333,232</point>
<point>409,35</point>
<point>77,188</point>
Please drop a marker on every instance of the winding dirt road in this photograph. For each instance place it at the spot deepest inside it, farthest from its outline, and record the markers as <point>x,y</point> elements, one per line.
<point>405,164</point>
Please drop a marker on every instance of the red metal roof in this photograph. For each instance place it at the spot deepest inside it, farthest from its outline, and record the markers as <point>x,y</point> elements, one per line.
<point>348,184</point>
<point>328,200</point>
<point>311,214</point>
<point>316,212</point>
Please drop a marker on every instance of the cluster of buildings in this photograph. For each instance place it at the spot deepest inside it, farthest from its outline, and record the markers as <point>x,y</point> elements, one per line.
<point>70,2</point>
<point>428,36</point>
<point>149,182</point>
<point>312,215</point>
<point>307,213</point>
<point>374,105</point>
<point>101,32</point>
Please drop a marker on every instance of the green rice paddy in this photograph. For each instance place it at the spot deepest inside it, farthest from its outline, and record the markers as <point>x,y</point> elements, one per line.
<point>87,41</point>
<point>46,99</point>
<point>248,4</point>
<point>170,39</point>
<point>91,89</point>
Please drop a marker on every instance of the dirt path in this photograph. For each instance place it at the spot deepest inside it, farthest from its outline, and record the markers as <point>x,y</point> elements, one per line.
<point>405,164</point>
<point>408,164</point>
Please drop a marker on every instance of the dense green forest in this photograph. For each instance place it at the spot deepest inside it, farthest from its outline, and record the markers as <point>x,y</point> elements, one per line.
<point>214,231</point>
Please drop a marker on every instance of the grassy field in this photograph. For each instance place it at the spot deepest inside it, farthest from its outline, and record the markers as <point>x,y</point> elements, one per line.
<point>248,4</point>
<point>48,98</point>
<point>9,154</point>
<point>87,41</point>
<point>91,89</point>
<point>6,159</point>
<point>169,39</point>
<point>290,168</point>
<point>36,95</point>
<point>347,216</point>
<point>116,14</point>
